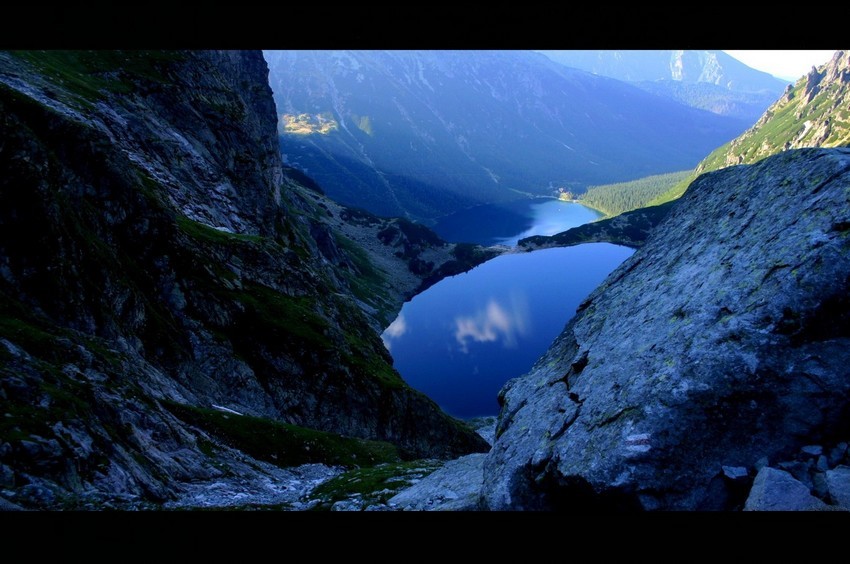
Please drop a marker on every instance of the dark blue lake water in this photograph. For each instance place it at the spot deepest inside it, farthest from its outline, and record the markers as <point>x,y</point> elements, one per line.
<point>507,223</point>
<point>463,338</point>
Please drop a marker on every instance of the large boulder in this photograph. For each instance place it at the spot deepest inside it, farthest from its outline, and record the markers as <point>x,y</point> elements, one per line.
<point>777,490</point>
<point>723,341</point>
<point>454,487</point>
<point>838,486</point>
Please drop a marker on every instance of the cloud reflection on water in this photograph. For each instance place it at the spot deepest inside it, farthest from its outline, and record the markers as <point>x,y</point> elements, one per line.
<point>496,322</point>
<point>395,330</point>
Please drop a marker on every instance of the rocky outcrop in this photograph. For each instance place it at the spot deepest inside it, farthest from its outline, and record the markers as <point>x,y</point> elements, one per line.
<point>838,486</point>
<point>815,479</point>
<point>153,255</point>
<point>454,487</point>
<point>777,490</point>
<point>720,342</point>
<point>392,259</point>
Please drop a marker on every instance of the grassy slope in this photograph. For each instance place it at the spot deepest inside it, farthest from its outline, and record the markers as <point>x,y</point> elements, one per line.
<point>86,74</point>
<point>284,444</point>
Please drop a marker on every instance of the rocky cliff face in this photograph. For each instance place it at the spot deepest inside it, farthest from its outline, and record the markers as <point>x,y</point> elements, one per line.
<point>718,348</point>
<point>383,261</point>
<point>156,263</point>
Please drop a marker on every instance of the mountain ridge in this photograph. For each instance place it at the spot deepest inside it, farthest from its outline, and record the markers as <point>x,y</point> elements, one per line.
<point>708,79</point>
<point>808,114</point>
<point>424,131</point>
<point>688,66</point>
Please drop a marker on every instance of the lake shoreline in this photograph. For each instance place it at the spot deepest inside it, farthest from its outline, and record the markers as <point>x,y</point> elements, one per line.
<point>462,339</point>
<point>507,223</point>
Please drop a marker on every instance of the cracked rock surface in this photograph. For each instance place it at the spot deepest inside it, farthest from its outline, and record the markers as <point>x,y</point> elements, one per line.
<point>724,340</point>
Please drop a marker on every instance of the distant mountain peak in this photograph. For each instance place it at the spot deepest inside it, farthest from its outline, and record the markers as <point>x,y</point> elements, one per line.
<point>423,134</point>
<point>691,66</point>
<point>811,113</point>
<point>708,80</point>
<point>835,71</point>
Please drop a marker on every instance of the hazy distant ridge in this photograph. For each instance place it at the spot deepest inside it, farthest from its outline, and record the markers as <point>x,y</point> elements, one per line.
<point>708,80</point>
<point>425,133</point>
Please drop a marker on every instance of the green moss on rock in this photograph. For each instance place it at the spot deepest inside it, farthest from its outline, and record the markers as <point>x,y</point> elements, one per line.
<point>371,486</point>
<point>284,444</point>
<point>87,74</point>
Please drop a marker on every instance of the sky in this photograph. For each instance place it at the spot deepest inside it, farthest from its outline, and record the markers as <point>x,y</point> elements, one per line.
<point>787,65</point>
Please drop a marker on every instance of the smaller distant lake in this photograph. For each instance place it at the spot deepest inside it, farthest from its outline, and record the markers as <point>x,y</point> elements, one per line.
<point>463,338</point>
<point>507,223</point>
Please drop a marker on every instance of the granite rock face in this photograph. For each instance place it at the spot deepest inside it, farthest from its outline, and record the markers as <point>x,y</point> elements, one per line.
<point>721,342</point>
<point>153,253</point>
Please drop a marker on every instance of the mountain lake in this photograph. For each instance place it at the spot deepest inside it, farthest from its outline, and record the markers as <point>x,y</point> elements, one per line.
<point>462,339</point>
<point>508,222</point>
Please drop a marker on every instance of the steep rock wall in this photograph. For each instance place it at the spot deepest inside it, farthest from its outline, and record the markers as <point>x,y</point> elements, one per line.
<point>721,342</point>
